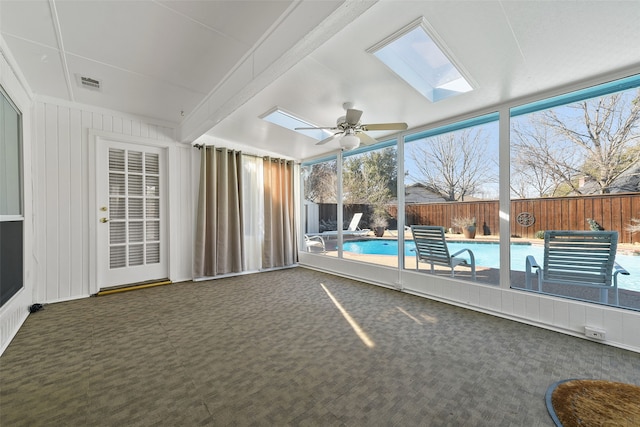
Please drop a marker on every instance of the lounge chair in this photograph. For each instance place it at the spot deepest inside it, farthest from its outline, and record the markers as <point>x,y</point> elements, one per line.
<point>431,247</point>
<point>353,229</point>
<point>314,241</point>
<point>579,258</point>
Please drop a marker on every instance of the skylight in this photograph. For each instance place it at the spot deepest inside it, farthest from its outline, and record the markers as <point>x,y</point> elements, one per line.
<point>289,121</point>
<point>421,61</point>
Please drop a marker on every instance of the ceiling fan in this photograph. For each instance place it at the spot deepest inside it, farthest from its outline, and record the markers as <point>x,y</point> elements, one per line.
<point>352,132</point>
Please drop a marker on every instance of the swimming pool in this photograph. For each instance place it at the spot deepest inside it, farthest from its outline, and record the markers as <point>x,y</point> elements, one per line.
<point>488,255</point>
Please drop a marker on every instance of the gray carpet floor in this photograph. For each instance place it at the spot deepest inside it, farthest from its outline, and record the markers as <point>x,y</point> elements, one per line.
<point>291,347</point>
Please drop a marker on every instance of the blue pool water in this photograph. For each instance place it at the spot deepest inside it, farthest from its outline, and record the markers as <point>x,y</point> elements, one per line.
<point>488,255</point>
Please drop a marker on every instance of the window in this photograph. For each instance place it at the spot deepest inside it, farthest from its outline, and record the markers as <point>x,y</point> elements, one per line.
<point>289,121</point>
<point>575,166</point>
<point>369,187</point>
<point>11,214</point>
<point>450,179</point>
<point>423,61</point>
<point>320,212</point>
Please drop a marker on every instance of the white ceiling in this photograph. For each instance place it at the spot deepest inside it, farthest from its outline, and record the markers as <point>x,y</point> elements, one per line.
<point>215,66</point>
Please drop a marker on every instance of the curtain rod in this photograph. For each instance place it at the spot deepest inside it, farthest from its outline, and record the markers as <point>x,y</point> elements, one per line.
<point>199,146</point>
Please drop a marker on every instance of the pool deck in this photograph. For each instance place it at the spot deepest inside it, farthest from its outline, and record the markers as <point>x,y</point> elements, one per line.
<point>485,275</point>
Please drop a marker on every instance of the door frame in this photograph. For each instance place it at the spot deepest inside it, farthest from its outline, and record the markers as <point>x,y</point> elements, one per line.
<point>95,137</point>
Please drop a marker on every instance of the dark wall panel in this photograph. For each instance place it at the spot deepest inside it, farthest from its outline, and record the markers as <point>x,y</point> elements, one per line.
<point>11,259</point>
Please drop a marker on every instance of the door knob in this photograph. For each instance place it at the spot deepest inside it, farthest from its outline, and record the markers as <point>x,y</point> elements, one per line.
<point>103,220</point>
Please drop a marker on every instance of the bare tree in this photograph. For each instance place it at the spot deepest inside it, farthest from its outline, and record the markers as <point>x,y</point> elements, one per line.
<point>596,141</point>
<point>321,182</point>
<point>539,166</point>
<point>455,165</point>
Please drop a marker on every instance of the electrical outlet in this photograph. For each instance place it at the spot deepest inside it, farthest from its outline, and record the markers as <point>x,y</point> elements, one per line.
<point>594,333</point>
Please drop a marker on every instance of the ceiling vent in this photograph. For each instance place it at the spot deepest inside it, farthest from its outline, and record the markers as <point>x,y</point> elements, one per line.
<point>88,82</point>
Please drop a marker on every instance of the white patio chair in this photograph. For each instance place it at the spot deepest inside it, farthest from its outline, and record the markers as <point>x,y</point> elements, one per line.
<point>431,247</point>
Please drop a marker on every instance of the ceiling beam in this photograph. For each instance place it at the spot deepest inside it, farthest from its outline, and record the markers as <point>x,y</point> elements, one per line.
<point>63,55</point>
<point>243,85</point>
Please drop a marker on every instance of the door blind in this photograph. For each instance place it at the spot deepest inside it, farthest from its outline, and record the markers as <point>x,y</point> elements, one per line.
<point>134,208</point>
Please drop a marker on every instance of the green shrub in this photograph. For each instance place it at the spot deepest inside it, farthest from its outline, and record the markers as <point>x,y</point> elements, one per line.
<point>593,225</point>
<point>539,234</point>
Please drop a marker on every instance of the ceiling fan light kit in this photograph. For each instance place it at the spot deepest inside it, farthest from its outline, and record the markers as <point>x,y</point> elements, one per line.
<point>349,141</point>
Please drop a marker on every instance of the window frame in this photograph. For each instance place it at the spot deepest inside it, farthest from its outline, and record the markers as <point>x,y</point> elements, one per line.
<point>13,259</point>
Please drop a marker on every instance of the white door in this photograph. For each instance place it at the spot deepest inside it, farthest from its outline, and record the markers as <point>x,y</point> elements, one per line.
<point>132,227</point>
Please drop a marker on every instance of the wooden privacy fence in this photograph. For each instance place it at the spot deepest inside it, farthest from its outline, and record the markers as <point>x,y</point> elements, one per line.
<point>610,211</point>
<point>485,213</point>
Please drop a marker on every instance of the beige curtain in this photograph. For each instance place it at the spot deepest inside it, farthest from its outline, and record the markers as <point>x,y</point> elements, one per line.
<point>280,247</point>
<point>219,237</point>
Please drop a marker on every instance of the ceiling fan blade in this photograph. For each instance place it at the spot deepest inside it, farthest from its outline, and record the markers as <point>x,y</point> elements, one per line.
<point>385,126</point>
<point>366,139</point>
<point>353,116</point>
<point>329,139</point>
<point>314,128</point>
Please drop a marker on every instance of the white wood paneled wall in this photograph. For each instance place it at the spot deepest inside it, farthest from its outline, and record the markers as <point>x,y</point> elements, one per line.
<point>61,193</point>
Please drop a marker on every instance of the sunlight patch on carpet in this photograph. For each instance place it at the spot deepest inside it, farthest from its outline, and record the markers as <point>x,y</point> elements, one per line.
<point>406,313</point>
<point>358,330</point>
